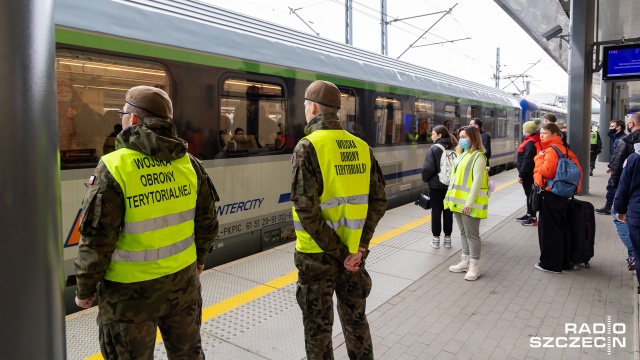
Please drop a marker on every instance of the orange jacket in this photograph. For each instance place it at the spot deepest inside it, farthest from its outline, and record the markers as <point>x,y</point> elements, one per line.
<point>547,161</point>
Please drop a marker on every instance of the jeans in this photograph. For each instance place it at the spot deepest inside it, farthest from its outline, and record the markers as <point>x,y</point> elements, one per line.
<point>623,233</point>
<point>611,193</point>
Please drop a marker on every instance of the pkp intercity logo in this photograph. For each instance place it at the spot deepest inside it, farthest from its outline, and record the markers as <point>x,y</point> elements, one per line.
<point>596,335</point>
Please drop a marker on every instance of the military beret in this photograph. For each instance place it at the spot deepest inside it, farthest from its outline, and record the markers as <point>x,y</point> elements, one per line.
<point>323,93</point>
<point>152,100</point>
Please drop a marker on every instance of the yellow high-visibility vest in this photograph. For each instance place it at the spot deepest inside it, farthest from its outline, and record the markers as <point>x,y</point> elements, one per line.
<point>157,236</point>
<point>345,164</point>
<point>460,187</point>
<point>594,137</point>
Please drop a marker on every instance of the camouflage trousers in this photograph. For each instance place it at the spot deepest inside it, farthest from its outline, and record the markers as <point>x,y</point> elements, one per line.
<point>319,276</point>
<point>180,333</point>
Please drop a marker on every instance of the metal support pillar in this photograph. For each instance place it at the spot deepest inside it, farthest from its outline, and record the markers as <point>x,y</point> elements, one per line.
<point>580,78</point>
<point>32,325</point>
<point>348,22</point>
<point>497,75</point>
<point>383,24</point>
<point>606,93</point>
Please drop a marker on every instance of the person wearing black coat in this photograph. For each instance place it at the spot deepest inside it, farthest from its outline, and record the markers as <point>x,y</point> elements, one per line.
<point>437,190</point>
<point>529,148</point>
<point>486,138</point>
<point>624,148</point>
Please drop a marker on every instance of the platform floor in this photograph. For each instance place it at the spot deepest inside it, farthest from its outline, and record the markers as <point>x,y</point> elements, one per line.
<point>417,308</point>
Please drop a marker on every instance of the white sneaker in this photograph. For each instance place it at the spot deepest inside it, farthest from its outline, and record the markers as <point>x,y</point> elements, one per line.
<point>435,243</point>
<point>474,270</point>
<point>447,242</point>
<point>462,266</point>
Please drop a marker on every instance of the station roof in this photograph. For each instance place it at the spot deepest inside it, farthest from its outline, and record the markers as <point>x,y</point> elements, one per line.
<point>615,19</point>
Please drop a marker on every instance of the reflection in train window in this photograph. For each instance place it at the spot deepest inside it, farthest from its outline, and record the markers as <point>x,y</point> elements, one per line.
<point>388,120</point>
<point>423,117</point>
<point>451,118</point>
<point>347,113</point>
<point>252,116</point>
<point>91,90</point>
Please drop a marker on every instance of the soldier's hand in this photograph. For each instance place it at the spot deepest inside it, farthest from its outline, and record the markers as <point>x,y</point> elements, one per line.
<point>200,269</point>
<point>608,170</point>
<point>86,303</point>
<point>353,261</point>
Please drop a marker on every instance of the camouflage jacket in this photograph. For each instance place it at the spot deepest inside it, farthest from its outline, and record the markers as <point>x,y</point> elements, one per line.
<point>307,186</point>
<point>104,206</point>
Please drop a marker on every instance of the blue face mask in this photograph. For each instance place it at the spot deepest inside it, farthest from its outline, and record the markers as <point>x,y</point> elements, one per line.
<point>465,144</point>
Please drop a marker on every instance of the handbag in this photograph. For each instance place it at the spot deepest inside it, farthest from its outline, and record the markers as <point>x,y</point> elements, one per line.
<point>424,201</point>
<point>534,197</point>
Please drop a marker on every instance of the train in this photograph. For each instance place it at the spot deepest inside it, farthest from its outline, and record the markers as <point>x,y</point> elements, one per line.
<point>225,71</point>
<point>532,110</point>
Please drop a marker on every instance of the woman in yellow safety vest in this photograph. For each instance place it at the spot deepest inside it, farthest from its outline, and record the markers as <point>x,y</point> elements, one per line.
<point>468,198</point>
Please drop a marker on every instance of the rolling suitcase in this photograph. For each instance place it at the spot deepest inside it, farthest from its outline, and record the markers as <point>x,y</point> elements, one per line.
<point>582,221</point>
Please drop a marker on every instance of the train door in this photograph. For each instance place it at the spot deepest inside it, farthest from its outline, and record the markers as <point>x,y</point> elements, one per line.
<point>472,113</point>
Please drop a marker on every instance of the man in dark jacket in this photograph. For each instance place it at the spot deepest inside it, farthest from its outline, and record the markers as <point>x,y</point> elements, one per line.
<point>624,148</point>
<point>148,222</point>
<point>527,151</point>
<point>486,138</point>
<point>616,132</point>
<point>627,205</point>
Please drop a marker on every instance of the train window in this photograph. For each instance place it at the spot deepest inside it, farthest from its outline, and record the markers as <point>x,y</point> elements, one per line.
<point>423,119</point>
<point>501,124</point>
<point>91,90</point>
<point>347,113</point>
<point>451,118</point>
<point>252,116</point>
<point>388,120</point>
<point>489,122</point>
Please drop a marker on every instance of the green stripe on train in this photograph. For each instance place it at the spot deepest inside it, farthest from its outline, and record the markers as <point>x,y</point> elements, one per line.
<point>66,36</point>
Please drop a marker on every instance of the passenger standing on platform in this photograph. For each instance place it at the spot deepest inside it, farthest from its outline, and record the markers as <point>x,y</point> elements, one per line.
<point>468,199</point>
<point>594,149</point>
<point>627,205</point>
<point>554,233</point>
<point>624,148</point>
<point>552,119</point>
<point>443,141</point>
<point>144,240</point>
<point>486,138</point>
<point>527,151</point>
<point>616,133</point>
<point>338,199</point>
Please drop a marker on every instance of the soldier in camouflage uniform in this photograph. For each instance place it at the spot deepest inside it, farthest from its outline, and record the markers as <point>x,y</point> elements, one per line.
<point>332,267</point>
<point>129,313</point>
